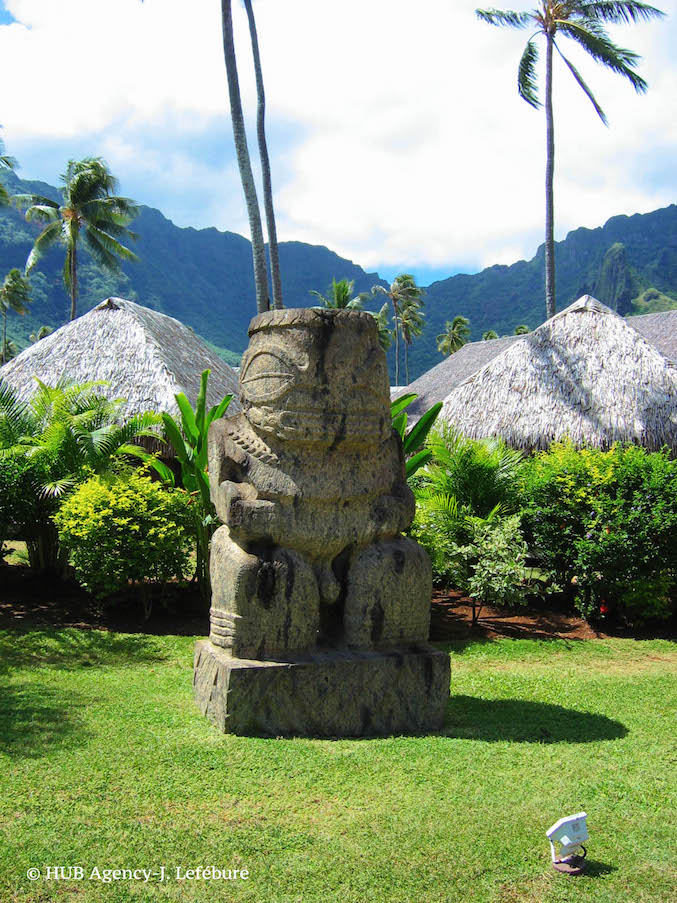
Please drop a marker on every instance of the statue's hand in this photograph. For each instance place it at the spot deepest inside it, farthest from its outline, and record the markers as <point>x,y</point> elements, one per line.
<point>243,512</point>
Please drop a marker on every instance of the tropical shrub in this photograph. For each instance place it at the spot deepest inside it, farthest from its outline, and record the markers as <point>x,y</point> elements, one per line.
<point>463,479</point>
<point>492,565</point>
<point>66,432</point>
<point>606,522</point>
<point>189,441</point>
<point>123,527</point>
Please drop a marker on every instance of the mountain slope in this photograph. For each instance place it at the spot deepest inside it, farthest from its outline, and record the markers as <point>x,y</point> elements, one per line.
<point>617,263</point>
<point>203,277</point>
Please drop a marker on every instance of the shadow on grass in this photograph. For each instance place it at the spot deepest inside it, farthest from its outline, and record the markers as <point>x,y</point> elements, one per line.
<point>34,718</point>
<point>598,869</point>
<point>522,721</point>
<point>71,648</point>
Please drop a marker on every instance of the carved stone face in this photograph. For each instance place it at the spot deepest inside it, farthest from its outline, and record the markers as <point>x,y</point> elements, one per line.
<point>316,376</point>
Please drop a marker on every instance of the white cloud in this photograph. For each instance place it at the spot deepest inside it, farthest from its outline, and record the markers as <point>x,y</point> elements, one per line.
<point>395,130</point>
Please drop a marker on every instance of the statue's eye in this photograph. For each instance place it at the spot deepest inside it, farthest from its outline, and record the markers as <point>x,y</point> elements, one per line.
<point>267,375</point>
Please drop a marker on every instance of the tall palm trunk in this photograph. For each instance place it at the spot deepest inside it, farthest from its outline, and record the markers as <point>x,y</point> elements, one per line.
<point>275,277</point>
<point>4,336</point>
<point>243,161</point>
<point>549,178</point>
<point>74,280</point>
<point>397,344</point>
<point>406,362</point>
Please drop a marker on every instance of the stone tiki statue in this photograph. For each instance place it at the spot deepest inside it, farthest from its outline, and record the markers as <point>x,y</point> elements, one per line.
<point>320,607</point>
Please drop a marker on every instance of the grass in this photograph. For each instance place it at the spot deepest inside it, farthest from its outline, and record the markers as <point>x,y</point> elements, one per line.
<point>105,761</point>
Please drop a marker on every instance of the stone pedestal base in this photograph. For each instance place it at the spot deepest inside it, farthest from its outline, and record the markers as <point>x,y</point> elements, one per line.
<point>339,693</point>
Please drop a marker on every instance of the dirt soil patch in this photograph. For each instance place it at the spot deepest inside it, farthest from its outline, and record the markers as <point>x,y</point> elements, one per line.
<point>26,599</point>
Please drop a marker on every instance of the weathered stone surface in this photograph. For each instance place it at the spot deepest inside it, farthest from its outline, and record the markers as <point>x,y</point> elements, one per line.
<point>388,595</point>
<point>269,605</point>
<point>332,694</point>
<point>309,482</point>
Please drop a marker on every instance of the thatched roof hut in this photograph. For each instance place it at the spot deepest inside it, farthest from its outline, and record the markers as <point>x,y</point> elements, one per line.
<point>586,374</point>
<point>435,384</point>
<point>145,356</point>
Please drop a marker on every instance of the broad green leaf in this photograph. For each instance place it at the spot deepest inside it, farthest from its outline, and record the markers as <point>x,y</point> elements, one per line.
<point>417,461</point>
<point>190,426</point>
<point>418,434</point>
<point>201,401</point>
<point>400,424</point>
<point>175,437</point>
<point>401,403</point>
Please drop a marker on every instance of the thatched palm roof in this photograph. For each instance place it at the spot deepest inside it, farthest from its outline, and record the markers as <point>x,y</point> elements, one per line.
<point>586,374</point>
<point>660,329</point>
<point>145,356</point>
<point>435,384</point>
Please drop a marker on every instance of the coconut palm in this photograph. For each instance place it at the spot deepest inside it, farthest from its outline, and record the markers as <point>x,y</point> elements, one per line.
<point>489,334</point>
<point>90,210</point>
<point>385,333</point>
<point>521,330</point>
<point>42,333</point>
<point>456,334</point>
<point>8,350</point>
<point>244,161</point>
<point>275,278</point>
<point>583,21</point>
<point>6,164</point>
<point>412,320</point>
<point>340,296</point>
<point>402,290</point>
<point>15,294</point>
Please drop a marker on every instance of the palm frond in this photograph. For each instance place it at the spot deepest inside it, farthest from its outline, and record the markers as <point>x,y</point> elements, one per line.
<point>620,12</point>
<point>507,17</point>
<point>43,242</point>
<point>602,49</point>
<point>586,90</point>
<point>526,75</point>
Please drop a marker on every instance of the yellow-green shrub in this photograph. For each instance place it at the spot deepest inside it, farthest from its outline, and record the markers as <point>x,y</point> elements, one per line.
<point>123,527</point>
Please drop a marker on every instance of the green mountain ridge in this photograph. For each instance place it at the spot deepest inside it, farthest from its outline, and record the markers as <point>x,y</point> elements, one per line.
<point>203,277</point>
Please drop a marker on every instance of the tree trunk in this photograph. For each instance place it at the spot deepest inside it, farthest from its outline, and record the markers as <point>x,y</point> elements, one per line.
<point>74,281</point>
<point>244,162</point>
<point>4,336</point>
<point>397,344</point>
<point>549,179</point>
<point>275,278</point>
<point>406,361</point>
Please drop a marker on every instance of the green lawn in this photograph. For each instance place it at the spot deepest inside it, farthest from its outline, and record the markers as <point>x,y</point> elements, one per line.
<point>105,761</point>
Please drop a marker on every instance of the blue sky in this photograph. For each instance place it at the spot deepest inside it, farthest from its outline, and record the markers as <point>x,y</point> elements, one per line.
<point>397,138</point>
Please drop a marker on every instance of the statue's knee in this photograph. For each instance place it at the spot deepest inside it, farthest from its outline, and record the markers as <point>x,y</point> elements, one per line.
<point>388,595</point>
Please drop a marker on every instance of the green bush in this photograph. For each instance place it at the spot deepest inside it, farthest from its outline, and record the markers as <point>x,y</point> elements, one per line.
<point>606,523</point>
<point>121,528</point>
<point>24,510</point>
<point>465,479</point>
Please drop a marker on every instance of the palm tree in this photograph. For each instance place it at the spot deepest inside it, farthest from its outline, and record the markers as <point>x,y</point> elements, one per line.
<point>489,334</point>
<point>412,320</point>
<point>90,207</point>
<point>582,21</point>
<point>42,333</point>
<point>8,351</point>
<point>15,294</point>
<point>521,330</point>
<point>6,164</point>
<point>385,333</point>
<point>275,278</point>
<point>455,335</point>
<point>340,296</point>
<point>244,162</point>
<point>402,290</point>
